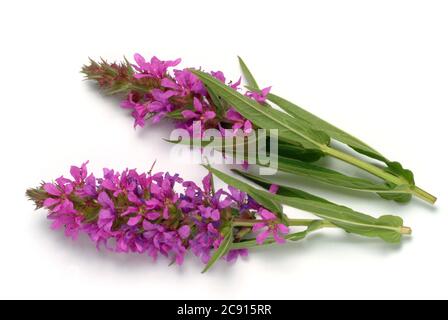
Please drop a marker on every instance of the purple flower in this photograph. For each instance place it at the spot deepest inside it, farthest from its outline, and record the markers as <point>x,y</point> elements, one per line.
<point>260,96</point>
<point>270,226</point>
<point>189,83</point>
<point>199,114</point>
<point>239,122</point>
<point>220,76</point>
<point>61,190</point>
<point>154,69</point>
<point>234,254</point>
<point>107,213</point>
<point>206,239</point>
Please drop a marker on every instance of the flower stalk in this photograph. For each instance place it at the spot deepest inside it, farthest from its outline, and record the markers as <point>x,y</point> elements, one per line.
<point>380,173</point>
<point>189,95</point>
<point>142,213</point>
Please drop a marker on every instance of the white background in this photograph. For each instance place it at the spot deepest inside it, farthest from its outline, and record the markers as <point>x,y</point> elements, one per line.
<point>379,69</point>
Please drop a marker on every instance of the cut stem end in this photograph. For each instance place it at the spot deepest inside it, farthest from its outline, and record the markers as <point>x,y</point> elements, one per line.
<point>406,230</point>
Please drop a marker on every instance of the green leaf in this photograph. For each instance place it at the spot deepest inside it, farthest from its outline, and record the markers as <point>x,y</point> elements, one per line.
<point>222,250</point>
<point>296,236</point>
<point>289,129</point>
<point>263,198</point>
<point>315,225</point>
<point>250,80</point>
<point>387,228</point>
<point>282,190</point>
<point>328,176</point>
<point>396,196</point>
<point>386,191</point>
<point>397,169</point>
<point>320,124</point>
<point>291,151</point>
<point>220,107</point>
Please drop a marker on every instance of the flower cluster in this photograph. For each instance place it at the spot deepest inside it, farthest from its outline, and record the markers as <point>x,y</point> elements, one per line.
<point>155,90</point>
<point>142,212</point>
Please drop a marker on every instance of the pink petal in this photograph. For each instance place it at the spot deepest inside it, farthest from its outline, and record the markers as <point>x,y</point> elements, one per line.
<point>208,115</point>
<point>166,213</point>
<point>197,104</point>
<point>236,126</point>
<point>258,226</point>
<point>148,225</point>
<point>133,198</point>
<point>109,185</point>
<point>273,188</point>
<point>184,231</point>
<point>267,215</point>
<point>52,189</point>
<point>188,114</point>
<point>75,172</point>
<point>262,237</point>
<point>277,238</point>
<point>247,127</point>
<point>168,83</point>
<point>233,115</point>
<point>216,216</point>
<point>265,91</point>
<point>156,106</point>
<point>139,59</point>
<point>282,228</point>
<point>134,221</point>
<point>129,211</point>
<point>49,202</point>
<point>152,215</point>
<point>158,117</point>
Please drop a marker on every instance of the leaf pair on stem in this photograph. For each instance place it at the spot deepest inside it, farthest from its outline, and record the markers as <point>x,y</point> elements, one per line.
<point>301,129</point>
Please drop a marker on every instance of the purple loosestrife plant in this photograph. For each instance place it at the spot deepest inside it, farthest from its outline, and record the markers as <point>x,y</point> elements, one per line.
<point>143,213</point>
<point>156,89</point>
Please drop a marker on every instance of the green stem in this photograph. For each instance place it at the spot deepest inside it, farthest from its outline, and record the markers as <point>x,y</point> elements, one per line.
<point>291,222</point>
<point>422,194</point>
<point>380,173</point>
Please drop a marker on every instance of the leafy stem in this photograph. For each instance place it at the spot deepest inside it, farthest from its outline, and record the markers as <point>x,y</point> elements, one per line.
<point>378,172</point>
<point>298,131</point>
<point>291,222</point>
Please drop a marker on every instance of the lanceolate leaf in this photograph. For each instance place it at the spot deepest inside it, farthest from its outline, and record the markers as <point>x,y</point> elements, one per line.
<point>220,108</point>
<point>328,176</point>
<point>222,250</point>
<point>397,169</point>
<point>248,75</point>
<point>291,151</point>
<point>320,124</point>
<point>289,129</point>
<point>282,190</point>
<point>388,228</point>
<point>293,192</point>
<point>263,198</point>
<point>296,236</point>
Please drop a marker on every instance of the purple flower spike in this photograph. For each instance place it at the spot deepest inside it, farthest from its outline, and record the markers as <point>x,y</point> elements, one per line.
<point>143,213</point>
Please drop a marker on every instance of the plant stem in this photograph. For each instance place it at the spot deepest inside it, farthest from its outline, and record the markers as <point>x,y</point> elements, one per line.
<point>422,194</point>
<point>380,173</point>
<point>291,222</point>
